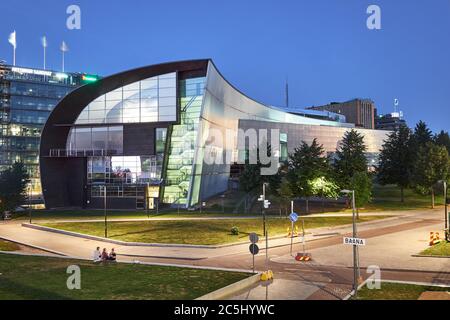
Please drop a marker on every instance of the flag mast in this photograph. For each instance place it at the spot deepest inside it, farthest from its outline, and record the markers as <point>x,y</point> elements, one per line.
<point>64,49</point>
<point>44,45</point>
<point>13,40</point>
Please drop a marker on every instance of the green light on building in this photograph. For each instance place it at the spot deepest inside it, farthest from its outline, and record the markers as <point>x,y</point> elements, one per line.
<point>89,78</point>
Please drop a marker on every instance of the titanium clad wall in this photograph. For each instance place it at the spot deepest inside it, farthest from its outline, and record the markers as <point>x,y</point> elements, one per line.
<point>222,109</point>
<point>330,137</point>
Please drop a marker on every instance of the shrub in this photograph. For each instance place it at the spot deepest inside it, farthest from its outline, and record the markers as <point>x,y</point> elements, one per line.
<point>235,231</point>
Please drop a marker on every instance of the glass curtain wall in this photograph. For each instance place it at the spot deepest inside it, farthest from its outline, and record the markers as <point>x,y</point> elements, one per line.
<point>150,100</point>
<point>183,142</point>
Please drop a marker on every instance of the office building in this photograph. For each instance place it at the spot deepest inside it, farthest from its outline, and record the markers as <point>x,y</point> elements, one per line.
<point>147,136</point>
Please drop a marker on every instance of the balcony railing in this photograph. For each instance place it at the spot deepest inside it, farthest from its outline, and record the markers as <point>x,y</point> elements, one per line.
<point>70,153</point>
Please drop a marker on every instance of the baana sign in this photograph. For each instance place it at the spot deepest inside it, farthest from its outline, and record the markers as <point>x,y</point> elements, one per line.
<point>355,241</point>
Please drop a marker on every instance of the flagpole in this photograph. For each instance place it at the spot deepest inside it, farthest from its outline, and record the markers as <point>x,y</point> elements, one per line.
<point>63,61</point>
<point>14,56</point>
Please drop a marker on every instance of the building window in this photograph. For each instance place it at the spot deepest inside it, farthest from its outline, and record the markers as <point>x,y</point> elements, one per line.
<point>150,100</point>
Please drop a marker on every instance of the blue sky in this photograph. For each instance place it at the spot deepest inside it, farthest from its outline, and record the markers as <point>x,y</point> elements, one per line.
<point>322,46</point>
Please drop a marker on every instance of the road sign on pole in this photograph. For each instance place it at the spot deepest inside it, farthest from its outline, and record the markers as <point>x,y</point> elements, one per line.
<point>253,238</point>
<point>354,241</point>
<point>293,217</point>
<point>254,250</point>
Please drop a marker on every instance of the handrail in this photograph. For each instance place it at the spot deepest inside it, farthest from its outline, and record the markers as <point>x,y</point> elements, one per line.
<point>76,153</point>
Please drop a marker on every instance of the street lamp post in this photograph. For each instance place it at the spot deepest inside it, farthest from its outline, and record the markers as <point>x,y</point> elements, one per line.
<point>29,201</point>
<point>104,208</point>
<point>446,218</point>
<point>265,205</point>
<point>355,247</point>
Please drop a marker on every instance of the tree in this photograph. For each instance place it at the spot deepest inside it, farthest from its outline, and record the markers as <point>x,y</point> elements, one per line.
<point>443,139</point>
<point>306,164</point>
<point>362,184</point>
<point>13,183</point>
<point>285,193</point>
<point>431,165</point>
<point>395,165</point>
<point>350,158</point>
<point>251,178</point>
<point>422,135</point>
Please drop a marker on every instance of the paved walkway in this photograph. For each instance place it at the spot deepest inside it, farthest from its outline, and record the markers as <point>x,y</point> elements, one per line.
<point>113,219</point>
<point>79,247</point>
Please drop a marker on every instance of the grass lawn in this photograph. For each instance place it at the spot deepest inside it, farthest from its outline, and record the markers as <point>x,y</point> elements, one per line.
<point>39,278</point>
<point>8,246</point>
<point>388,198</point>
<point>206,232</point>
<point>440,249</point>
<point>396,291</point>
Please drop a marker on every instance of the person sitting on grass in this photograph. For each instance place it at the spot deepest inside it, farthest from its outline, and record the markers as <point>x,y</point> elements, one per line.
<point>97,256</point>
<point>105,255</point>
<point>112,255</point>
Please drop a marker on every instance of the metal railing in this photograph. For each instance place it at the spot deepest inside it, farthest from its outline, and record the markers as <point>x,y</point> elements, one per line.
<point>79,153</point>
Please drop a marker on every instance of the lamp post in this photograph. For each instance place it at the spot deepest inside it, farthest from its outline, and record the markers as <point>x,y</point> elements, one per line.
<point>266,205</point>
<point>355,247</point>
<point>104,208</point>
<point>29,201</point>
<point>446,218</point>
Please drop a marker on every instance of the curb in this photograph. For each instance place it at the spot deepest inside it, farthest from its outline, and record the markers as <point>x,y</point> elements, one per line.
<point>232,288</point>
<point>428,256</point>
<point>158,264</point>
<point>35,247</point>
<point>141,244</point>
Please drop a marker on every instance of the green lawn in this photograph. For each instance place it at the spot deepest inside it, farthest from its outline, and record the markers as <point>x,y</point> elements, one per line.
<point>396,291</point>
<point>207,232</point>
<point>39,278</point>
<point>440,249</point>
<point>388,198</point>
<point>8,246</point>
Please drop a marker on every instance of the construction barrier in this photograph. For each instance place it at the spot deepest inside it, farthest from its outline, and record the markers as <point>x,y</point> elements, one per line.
<point>267,275</point>
<point>434,238</point>
<point>306,257</point>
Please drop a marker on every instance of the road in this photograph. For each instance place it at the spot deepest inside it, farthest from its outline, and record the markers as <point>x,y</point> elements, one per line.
<point>390,245</point>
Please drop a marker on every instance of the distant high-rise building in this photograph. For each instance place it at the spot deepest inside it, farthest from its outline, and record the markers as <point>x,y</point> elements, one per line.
<point>390,121</point>
<point>360,112</point>
<point>27,96</point>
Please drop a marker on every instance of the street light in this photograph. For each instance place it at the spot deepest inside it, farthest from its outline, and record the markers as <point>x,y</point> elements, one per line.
<point>266,204</point>
<point>446,230</point>
<point>104,208</point>
<point>355,247</point>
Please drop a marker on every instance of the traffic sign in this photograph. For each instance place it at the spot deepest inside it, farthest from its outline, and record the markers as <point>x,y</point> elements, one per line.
<point>354,241</point>
<point>293,217</point>
<point>254,238</point>
<point>254,249</point>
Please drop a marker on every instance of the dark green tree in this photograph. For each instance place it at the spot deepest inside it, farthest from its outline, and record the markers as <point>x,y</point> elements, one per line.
<point>350,158</point>
<point>307,163</point>
<point>430,166</point>
<point>443,139</point>
<point>13,184</point>
<point>395,166</point>
<point>421,136</point>
<point>251,179</point>
<point>362,184</point>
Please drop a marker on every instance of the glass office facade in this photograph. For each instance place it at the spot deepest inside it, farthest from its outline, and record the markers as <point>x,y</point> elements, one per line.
<point>27,96</point>
<point>150,100</point>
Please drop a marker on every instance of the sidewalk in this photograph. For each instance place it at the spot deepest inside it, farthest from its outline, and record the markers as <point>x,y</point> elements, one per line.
<point>83,248</point>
